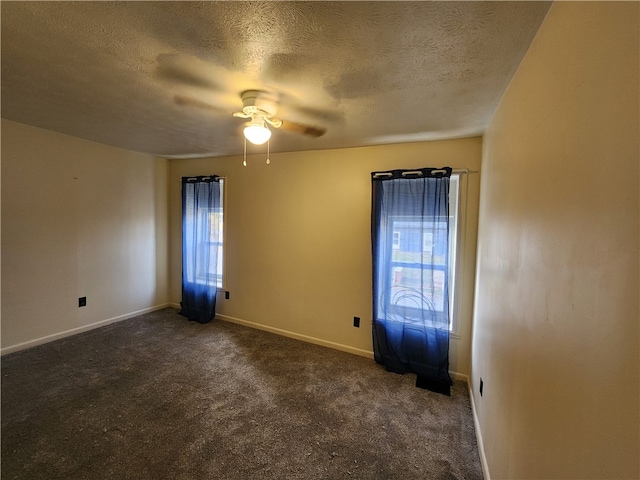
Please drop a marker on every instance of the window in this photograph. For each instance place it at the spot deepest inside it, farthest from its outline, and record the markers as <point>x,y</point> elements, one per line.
<point>205,241</point>
<point>414,242</point>
<point>202,245</point>
<point>210,273</point>
<point>418,264</point>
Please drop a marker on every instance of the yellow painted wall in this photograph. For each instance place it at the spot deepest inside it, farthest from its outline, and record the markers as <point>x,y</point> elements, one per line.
<point>78,219</point>
<point>298,238</point>
<point>556,333</point>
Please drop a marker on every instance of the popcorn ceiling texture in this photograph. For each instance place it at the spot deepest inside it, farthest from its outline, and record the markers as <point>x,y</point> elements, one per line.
<point>369,72</point>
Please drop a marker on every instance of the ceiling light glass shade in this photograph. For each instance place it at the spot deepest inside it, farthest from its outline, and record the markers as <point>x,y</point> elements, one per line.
<point>257,134</point>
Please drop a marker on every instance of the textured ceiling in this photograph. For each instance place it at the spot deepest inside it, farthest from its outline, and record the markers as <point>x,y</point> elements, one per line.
<point>164,77</point>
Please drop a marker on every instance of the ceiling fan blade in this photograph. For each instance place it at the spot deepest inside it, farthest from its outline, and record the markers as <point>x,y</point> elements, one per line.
<point>186,70</point>
<point>192,102</point>
<point>291,105</point>
<point>274,122</point>
<point>303,129</point>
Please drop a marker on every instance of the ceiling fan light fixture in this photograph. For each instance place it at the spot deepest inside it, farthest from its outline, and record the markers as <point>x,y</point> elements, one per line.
<point>257,133</point>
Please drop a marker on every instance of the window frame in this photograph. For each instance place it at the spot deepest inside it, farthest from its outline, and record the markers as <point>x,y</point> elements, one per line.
<point>455,249</point>
<point>205,278</point>
<point>456,245</point>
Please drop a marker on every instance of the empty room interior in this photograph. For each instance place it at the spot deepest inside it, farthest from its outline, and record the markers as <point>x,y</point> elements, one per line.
<point>528,111</point>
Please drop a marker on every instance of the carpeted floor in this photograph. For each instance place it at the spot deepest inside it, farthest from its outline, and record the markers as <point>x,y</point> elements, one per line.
<point>159,397</point>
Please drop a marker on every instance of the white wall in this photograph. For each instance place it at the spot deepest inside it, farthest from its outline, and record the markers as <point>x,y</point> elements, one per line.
<point>556,333</point>
<point>298,238</point>
<point>78,219</point>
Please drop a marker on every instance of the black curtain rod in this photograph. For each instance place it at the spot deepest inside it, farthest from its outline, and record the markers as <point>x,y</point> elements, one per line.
<point>459,171</point>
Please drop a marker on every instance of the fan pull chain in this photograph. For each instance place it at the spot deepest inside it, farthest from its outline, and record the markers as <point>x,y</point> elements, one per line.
<point>244,162</point>
<point>268,161</point>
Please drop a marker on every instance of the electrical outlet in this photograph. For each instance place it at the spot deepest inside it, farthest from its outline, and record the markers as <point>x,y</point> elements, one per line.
<point>481,386</point>
<point>356,322</point>
<point>226,295</point>
<point>82,302</point>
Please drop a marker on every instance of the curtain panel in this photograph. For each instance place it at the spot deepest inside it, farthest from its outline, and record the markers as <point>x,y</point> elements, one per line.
<point>201,243</point>
<point>410,250</point>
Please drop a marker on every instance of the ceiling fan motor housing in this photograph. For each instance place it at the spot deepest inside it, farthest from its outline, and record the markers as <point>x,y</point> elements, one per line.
<point>255,102</point>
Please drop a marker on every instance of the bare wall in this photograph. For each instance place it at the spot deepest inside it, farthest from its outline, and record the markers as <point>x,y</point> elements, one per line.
<point>298,241</point>
<point>78,219</point>
<point>556,334</point>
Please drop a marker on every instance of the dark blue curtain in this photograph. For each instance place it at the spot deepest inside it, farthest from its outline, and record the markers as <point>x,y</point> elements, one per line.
<point>201,244</point>
<point>410,242</point>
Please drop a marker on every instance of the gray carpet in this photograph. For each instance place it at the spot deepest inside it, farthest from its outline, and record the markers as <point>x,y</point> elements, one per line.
<point>159,397</point>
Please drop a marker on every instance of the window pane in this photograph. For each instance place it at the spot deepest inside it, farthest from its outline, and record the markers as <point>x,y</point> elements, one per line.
<point>420,249</point>
<point>212,223</point>
<point>215,226</point>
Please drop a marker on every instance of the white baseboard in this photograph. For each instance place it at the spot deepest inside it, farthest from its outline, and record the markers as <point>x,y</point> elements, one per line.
<point>305,338</point>
<point>483,457</point>
<point>83,328</point>
<point>246,323</point>
<point>460,376</point>
<point>298,336</point>
<point>316,341</point>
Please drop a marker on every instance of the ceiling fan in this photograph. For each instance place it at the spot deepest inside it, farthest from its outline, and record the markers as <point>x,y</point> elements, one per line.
<point>261,114</point>
<point>260,108</point>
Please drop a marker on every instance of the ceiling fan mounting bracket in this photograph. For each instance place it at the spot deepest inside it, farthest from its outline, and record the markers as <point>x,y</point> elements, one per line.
<point>256,102</point>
